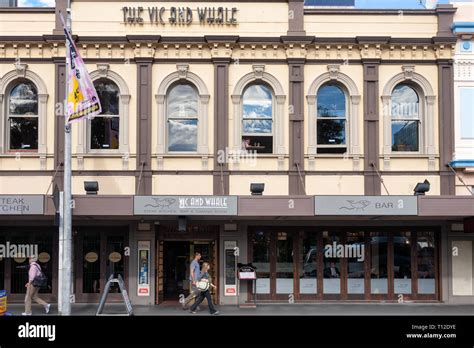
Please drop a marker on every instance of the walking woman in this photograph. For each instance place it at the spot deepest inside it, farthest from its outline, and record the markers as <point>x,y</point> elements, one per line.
<point>203,285</point>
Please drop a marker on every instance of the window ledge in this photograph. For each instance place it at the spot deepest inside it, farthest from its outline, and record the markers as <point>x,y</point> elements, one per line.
<point>181,155</point>
<point>408,155</point>
<point>333,155</point>
<point>100,154</point>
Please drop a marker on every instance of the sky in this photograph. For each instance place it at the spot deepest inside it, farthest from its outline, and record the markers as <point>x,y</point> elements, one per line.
<point>36,3</point>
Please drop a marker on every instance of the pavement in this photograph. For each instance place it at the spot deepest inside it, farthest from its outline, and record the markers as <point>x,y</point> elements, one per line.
<point>298,309</point>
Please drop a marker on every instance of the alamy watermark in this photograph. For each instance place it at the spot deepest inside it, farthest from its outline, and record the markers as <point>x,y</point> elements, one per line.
<point>351,251</point>
<point>237,156</point>
<point>10,250</point>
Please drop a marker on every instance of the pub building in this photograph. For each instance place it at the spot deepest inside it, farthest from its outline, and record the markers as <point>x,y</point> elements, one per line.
<point>255,137</point>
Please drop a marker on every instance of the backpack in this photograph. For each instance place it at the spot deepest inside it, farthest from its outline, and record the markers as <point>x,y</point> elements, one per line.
<point>40,280</point>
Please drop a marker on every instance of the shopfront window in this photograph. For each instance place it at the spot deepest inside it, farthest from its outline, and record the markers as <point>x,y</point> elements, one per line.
<point>115,260</point>
<point>402,262</point>
<point>257,121</point>
<point>425,255</point>
<point>284,263</point>
<point>355,263</point>
<point>91,264</point>
<point>308,263</point>
<point>332,264</point>
<point>2,267</point>
<point>378,263</point>
<point>261,260</point>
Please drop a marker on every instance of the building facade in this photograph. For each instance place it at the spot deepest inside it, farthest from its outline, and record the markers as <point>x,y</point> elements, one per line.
<point>340,112</point>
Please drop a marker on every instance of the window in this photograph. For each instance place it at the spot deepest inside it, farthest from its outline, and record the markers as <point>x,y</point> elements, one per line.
<point>104,128</point>
<point>23,117</point>
<point>182,114</point>
<point>257,119</point>
<point>405,118</point>
<point>331,119</point>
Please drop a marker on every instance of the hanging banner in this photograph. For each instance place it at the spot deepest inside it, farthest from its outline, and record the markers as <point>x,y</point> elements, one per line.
<point>82,99</point>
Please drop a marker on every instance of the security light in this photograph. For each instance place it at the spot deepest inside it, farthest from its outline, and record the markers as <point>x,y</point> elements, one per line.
<point>257,189</point>
<point>421,188</point>
<point>91,187</point>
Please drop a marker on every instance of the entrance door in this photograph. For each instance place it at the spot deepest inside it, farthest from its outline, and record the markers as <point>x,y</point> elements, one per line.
<point>100,253</point>
<point>177,257</point>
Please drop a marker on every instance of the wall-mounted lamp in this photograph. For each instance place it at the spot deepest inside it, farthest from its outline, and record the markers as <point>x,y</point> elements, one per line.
<point>91,187</point>
<point>257,189</point>
<point>421,188</point>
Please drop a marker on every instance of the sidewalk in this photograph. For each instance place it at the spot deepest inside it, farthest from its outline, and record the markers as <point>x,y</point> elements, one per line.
<point>325,309</point>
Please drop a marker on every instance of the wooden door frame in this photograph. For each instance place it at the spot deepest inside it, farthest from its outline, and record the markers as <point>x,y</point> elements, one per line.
<point>168,233</point>
<point>95,297</point>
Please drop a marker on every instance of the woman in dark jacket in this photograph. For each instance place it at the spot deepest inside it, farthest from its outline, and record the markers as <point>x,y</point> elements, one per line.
<point>205,277</point>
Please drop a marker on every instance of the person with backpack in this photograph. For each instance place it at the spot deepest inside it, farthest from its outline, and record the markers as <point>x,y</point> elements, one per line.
<point>36,280</point>
<point>203,285</point>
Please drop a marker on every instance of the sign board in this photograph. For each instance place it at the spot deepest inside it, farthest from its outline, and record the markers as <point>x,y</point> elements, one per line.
<point>366,205</point>
<point>22,205</point>
<point>143,286</point>
<point>123,291</point>
<point>247,272</point>
<point>3,302</point>
<point>230,265</point>
<point>185,205</point>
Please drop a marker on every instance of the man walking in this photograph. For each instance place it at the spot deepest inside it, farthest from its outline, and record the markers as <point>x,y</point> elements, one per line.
<point>194,276</point>
<point>32,291</point>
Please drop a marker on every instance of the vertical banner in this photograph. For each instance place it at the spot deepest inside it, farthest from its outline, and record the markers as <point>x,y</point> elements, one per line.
<point>3,302</point>
<point>230,268</point>
<point>143,268</point>
<point>82,99</point>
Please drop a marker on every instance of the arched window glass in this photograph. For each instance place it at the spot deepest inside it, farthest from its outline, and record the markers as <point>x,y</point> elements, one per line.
<point>23,116</point>
<point>405,113</point>
<point>257,119</point>
<point>182,115</point>
<point>104,128</point>
<point>331,119</point>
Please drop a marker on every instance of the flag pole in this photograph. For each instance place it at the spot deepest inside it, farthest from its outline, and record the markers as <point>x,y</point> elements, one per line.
<point>67,222</point>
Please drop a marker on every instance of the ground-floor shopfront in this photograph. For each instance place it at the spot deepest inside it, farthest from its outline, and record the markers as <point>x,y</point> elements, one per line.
<point>297,258</point>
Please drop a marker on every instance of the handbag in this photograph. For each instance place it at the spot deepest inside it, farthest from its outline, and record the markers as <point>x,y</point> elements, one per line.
<point>40,281</point>
<point>202,285</point>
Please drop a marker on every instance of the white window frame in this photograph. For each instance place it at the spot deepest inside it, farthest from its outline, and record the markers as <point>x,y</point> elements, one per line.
<point>353,149</point>
<point>22,72</point>
<point>426,116</point>
<point>84,128</point>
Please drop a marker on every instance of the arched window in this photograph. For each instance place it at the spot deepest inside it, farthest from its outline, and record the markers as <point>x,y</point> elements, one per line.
<point>182,116</point>
<point>331,119</point>
<point>405,116</point>
<point>257,119</point>
<point>22,115</point>
<point>105,128</point>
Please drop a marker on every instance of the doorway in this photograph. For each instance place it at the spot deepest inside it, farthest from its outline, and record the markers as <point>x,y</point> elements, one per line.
<point>177,257</point>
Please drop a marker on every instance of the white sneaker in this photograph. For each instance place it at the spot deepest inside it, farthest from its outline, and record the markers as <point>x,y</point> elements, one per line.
<point>46,308</point>
<point>24,313</point>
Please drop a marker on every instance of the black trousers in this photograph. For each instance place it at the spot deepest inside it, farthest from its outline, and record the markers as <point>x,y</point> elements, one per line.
<point>206,294</point>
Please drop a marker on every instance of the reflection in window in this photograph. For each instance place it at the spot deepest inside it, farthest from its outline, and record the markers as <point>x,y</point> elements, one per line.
<point>308,264</point>
<point>284,263</point>
<point>332,265</point>
<point>425,254</point>
<point>331,119</point>
<point>402,262</point>
<point>405,119</point>
<point>23,116</point>
<point>257,121</point>
<point>91,263</point>
<point>182,112</point>
<point>261,260</point>
<point>378,263</point>
<point>115,260</point>
<point>104,128</point>
<point>355,263</point>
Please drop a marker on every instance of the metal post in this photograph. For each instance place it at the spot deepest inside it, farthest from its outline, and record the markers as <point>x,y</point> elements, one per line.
<point>61,253</point>
<point>67,267</point>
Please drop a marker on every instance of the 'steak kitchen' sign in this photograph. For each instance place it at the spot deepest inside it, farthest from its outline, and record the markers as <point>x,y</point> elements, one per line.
<point>180,15</point>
